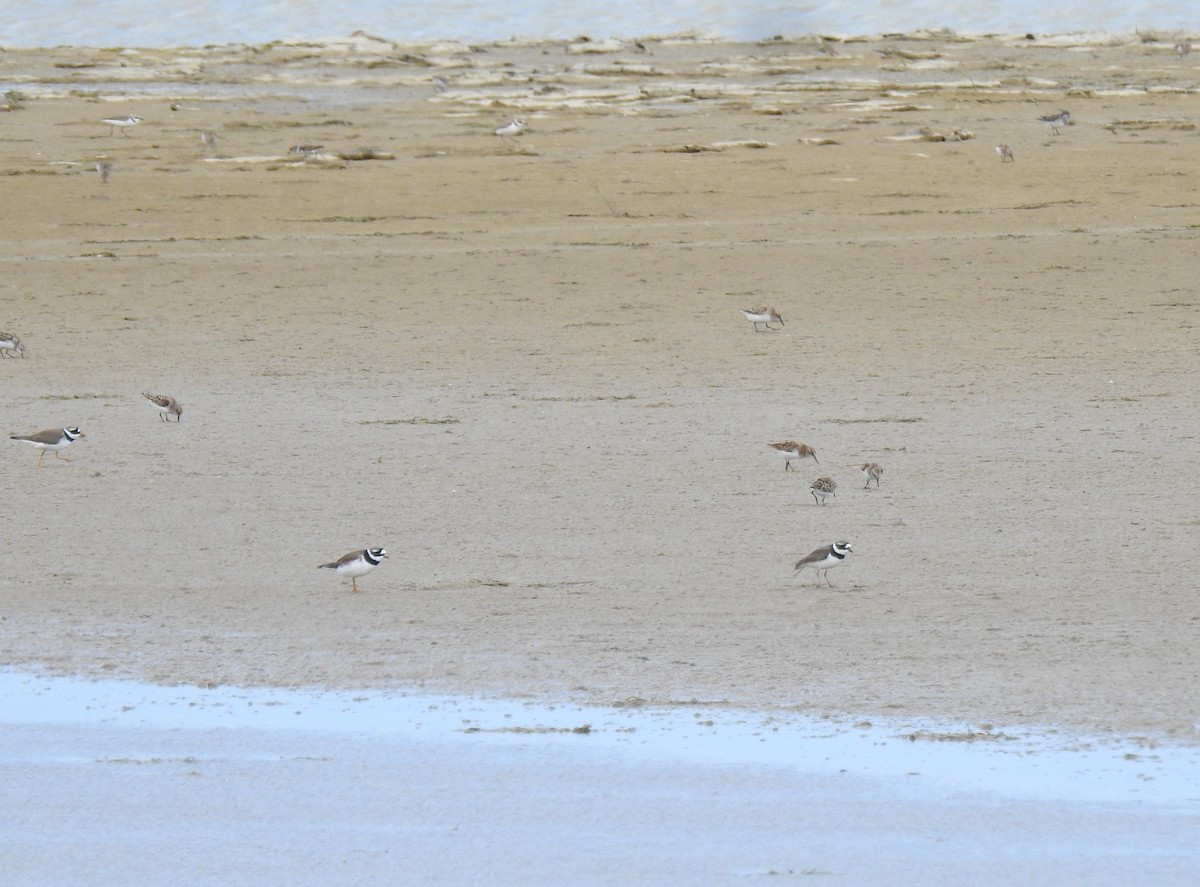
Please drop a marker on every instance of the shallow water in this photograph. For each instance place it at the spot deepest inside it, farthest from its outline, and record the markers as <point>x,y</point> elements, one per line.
<point>139,23</point>
<point>1019,763</point>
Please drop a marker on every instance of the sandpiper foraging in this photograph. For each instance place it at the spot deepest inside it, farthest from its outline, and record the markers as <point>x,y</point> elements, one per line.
<point>355,564</point>
<point>51,439</point>
<point>10,345</point>
<point>824,559</point>
<point>1054,121</point>
<point>1006,153</point>
<point>208,139</point>
<point>793,449</point>
<point>167,406</point>
<point>764,314</point>
<point>105,168</point>
<point>872,472</point>
<point>125,121</point>
<point>513,128</point>
<point>822,487</point>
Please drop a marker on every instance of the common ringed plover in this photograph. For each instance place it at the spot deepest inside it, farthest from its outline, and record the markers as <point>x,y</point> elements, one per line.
<point>824,559</point>
<point>514,127</point>
<point>50,439</point>
<point>125,121</point>
<point>355,564</point>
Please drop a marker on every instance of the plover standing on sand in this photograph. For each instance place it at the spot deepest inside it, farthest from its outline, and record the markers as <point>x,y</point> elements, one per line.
<point>125,121</point>
<point>51,439</point>
<point>355,564</point>
<point>1006,153</point>
<point>824,559</point>
<point>513,128</point>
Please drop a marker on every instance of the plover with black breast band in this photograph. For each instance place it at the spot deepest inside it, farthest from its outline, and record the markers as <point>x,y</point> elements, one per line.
<point>824,559</point>
<point>513,128</point>
<point>125,121</point>
<point>355,564</point>
<point>54,439</point>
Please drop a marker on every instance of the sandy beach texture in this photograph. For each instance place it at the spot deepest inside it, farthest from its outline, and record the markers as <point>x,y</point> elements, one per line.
<point>519,365</point>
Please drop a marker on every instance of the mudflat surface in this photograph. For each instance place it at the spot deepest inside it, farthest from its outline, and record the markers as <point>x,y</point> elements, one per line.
<point>520,367</point>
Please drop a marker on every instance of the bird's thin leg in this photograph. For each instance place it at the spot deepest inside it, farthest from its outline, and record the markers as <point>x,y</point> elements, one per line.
<point>787,465</point>
<point>41,456</point>
<point>354,584</point>
<point>59,454</point>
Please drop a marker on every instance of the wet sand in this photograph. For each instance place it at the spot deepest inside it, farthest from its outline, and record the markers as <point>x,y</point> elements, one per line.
<point>520,367</point>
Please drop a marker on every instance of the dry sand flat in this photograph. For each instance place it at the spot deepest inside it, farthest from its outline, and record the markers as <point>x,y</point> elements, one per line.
<point>521,368</point>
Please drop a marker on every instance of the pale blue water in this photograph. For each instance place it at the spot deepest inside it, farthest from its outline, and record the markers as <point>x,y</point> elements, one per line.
<point>1023,763</point>
<point>122,783</point>
<point>28,23</point>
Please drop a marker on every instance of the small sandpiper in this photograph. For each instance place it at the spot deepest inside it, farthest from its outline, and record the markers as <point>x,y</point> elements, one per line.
<point>764,314</point>
<point>167,406</point>
<point>823,487</point>
<point>793,449</point>
<point>872,472</point>
<point>10,345</point>
<point>1054,121</point>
